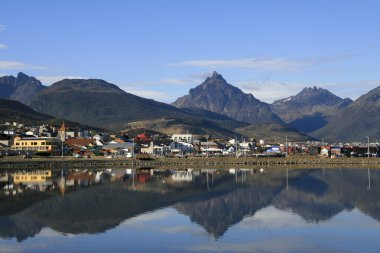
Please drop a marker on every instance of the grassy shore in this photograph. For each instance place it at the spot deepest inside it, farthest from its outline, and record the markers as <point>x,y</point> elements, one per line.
<point>101,162</point>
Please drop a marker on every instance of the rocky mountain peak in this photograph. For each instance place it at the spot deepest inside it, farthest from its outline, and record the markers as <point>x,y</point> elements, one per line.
<point>215,77</point>
<point>21,88</point>
<point>21,77</point>
<point>216,95</point>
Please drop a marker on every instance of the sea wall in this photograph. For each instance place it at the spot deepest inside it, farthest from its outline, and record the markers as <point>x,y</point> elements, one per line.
<point>189,162</point>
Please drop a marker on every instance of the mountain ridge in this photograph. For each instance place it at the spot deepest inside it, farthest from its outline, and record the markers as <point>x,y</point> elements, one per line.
<point>356,121</point>
<point>21,88</point>
<point>310,109</point>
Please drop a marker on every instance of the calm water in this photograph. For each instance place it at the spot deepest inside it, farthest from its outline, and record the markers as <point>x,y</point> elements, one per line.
<point>276,210</point>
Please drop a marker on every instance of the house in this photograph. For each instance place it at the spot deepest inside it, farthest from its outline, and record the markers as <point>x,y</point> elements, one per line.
<point>79,143</point>
<point>5,140</point>
<point>154,149</point>
<point>182,138</point>
<point>335,151</point>
<point>99,137</point>
<point>119,149</point>
<point>181,147</point>
<point>209,144</point>
<point>325,151</point>
<point>36,144</point>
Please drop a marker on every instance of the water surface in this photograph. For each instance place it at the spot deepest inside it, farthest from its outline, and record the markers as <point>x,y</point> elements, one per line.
<point>195,210</point>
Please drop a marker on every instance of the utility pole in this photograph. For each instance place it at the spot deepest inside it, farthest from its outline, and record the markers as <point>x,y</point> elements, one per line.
<point>133,148</point>
<point>236,148</point>
<point>286,146</point>
<point>367,146</point>
<point>207,148</point>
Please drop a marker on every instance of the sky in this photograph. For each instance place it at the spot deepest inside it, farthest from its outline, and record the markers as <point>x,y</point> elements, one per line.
<point>160,49</point>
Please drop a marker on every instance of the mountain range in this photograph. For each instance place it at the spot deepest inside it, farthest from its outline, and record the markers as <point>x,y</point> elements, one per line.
<point>310,109</point>
<point>105,105</point>
<point>21,88</point>
<point>214,107</point>
<point>356,121</point>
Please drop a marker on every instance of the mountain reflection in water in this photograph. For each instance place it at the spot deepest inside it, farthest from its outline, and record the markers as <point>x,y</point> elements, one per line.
<point>92,202</point>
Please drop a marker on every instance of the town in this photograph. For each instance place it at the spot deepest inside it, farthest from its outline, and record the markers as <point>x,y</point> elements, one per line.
<point>64,141</point>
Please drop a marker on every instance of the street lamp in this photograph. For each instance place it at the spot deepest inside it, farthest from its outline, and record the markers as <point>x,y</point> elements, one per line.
<point>367,146</point>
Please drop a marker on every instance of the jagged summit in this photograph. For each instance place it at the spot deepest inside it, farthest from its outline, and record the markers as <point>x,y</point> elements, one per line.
<point>215,76</point>
<point>22,77</point>
<point>311,96</point>
<point>310,109</point>
<point>216,95</point>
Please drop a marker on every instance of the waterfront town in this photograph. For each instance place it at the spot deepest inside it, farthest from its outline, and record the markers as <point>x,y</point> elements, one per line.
<point>53,141</point>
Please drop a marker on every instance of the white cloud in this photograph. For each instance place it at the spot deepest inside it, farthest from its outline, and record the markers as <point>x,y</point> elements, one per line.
<point>10,248</point>
<point>2,46</point>
<point>52,79</point>
<point>259,64</point>
<point>151,216</point>
<point>278,64</point>
<point>269,91</point>
<point>149,89</point>
<point>271,217</point>
<point>193,80</point>
<point>17,65</point>
<point>2,27</point>
<point>151,94</point>
<point>12,65</point>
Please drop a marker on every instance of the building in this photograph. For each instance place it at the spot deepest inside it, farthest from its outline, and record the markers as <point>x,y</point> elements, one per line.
<point>123,149</point>
<point>5,140</point>
<point>181,147</point>
<point>155,149</point>
<point>36,144</point>
<point>62,132</point>
<point>182,138</point>
<point>79,143</point>
<point>144,137</point>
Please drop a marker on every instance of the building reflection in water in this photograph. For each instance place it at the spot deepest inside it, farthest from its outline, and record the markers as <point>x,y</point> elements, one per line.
<point>93,201</point>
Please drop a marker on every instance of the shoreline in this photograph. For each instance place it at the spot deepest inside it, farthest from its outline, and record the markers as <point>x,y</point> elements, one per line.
<point>298,161</point>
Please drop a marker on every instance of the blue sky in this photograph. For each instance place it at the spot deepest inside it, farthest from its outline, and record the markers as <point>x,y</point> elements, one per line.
<point>161,49</point>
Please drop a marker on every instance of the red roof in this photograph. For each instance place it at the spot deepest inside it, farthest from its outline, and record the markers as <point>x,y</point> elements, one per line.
<point>143,137</point>
<point>80,142</point>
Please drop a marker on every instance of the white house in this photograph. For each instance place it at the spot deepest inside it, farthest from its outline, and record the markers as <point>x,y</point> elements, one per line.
<point>184,147</point>
<point>182,138</point>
